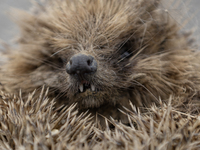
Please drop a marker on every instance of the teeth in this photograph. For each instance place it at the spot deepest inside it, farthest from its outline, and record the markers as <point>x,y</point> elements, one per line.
<point>81,87</point>
<point>92,87</point>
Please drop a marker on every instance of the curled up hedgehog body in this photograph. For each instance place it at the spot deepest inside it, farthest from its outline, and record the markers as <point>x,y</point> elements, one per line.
<point>103,54</point>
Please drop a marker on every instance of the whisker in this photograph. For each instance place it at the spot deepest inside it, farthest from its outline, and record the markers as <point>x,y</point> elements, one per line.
<point>138,52</point>
<point>61,94</point>
<point>45,61</point>
<point>146,89</point>
<point>27,74</point>
<point>145,45</point>
<point>59,51</point>
<point>132,53</point>
<point>145,29</point>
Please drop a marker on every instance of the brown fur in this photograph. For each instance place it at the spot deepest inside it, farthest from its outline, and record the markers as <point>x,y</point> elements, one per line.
<point>162,61</point>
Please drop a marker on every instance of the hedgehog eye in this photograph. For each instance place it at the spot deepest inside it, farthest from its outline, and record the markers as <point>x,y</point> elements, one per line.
<point>125,55</point>
<point>125,51</point>
<point>61,61</point>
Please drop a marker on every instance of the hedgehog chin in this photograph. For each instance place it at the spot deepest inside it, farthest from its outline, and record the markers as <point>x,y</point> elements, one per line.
<point>90,99</point>
<point>91,102</point>
<point>88,93</point>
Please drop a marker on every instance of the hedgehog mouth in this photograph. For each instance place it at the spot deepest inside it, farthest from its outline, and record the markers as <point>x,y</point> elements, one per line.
<point>87,86</point>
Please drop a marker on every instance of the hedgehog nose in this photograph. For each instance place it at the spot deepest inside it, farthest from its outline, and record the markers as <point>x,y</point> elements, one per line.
<point>81,64</point>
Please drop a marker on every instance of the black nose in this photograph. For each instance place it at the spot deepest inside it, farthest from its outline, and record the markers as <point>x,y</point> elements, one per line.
<point>81,64</point>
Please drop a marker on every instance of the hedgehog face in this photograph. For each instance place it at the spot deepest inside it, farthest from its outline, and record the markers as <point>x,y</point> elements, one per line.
<point>94,76</point>
<point>83,55</point>
<point>100,52</point>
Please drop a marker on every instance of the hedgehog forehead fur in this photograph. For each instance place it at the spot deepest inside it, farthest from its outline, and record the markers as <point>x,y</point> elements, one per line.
<point>135,48</point>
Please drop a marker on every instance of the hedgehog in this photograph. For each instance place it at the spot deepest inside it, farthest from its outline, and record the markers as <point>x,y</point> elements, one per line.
<point>103,55</point>
<point>32,124</point>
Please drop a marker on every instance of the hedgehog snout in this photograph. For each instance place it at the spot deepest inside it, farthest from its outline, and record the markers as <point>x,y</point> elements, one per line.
<point>81,64</point>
